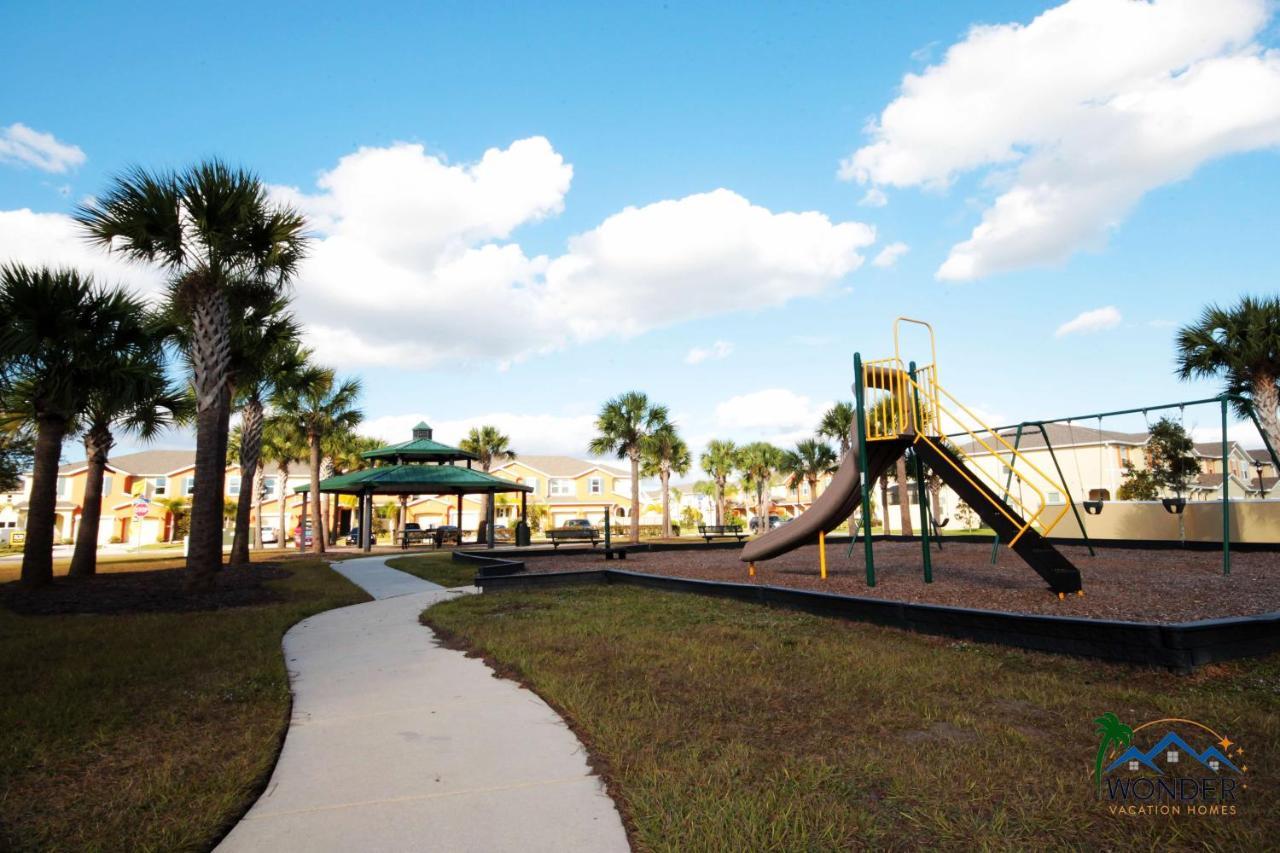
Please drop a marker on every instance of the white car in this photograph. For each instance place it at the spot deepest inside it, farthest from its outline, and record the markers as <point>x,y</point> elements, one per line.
<point>270,536</point>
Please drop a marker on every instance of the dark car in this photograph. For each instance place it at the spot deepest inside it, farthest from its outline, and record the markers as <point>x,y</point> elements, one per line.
<point>577,522</point>
<point>353,536</point>
<point>774,521</point>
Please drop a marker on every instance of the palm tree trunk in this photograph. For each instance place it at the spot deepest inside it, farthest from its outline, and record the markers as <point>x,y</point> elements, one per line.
<point>97,444</point>
<point>284,516</point>
<point>37,554</point>
<point>250,450</point>
<point>257,506</point>
<point>635,497</point>
<point>1265,402</point>
<point>904,497</point>
<point>210,354</point>
<point>720,502</point>
<point>935,499</point>
<point>317,523</point>
<point>666,503</point>
<point>884,504</point>
<point>204,556</point>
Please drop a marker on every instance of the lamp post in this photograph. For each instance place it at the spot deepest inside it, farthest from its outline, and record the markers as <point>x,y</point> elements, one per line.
<point>1258,465</point>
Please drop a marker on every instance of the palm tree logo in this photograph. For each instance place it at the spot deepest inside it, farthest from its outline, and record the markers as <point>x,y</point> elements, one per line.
<point>1113,733</point>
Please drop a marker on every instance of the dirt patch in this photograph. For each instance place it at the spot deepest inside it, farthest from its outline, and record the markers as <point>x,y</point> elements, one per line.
<point>1124,584</point>
<point>162,591</point>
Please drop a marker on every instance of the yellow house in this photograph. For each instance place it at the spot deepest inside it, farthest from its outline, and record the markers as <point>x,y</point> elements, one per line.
<point>571,488</point>
<point>157,475</point>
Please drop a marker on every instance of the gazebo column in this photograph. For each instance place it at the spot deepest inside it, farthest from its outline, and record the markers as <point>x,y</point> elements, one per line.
<point>488,521</point>
<point>404,515</point>
<point>366,521</point>
<point>302,523</point>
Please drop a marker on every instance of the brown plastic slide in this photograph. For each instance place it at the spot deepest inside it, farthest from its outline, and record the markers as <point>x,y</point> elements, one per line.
<point>832,508</point>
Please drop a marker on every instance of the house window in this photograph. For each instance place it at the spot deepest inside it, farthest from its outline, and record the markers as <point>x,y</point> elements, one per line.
<point>804,490</point>
<point>64,488</point>
<point>1099,494</point>
<point>268,486</point>
<point>595,485</point>
<point>561,487</point>
<point>159,486</point>
<point>233,486</point>
<point>188,486</point>
<point>107,482</point>
<point>531,482</point>
<point>1171,756</point>
<point>1054,498</point>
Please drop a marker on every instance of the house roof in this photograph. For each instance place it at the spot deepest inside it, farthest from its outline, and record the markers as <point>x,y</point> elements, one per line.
<point>154,463</point>
<point>1061,435</point>
<point>562,466</point>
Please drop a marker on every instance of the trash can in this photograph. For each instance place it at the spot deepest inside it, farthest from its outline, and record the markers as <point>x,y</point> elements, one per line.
<point>522,534</point>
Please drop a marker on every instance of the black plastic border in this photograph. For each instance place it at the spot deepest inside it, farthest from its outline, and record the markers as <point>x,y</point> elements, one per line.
<point>1179,646</point>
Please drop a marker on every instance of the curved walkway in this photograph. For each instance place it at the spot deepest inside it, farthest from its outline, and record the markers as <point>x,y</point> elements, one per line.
<point>399,744</point>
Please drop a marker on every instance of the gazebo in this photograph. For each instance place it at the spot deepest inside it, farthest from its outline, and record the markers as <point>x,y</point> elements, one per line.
<point>420,466</point>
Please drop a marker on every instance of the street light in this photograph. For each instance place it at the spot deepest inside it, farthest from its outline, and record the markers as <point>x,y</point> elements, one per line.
<point>1259,465</point>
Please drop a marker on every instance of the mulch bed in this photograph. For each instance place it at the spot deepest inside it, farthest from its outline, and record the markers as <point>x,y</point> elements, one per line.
<point>1124,584</point>
<point>162,591</point>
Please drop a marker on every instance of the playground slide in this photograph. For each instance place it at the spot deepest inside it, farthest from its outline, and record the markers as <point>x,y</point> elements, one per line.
<point>833,506</point>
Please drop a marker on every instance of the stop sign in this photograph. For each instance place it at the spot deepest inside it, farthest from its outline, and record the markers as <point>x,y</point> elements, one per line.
<point>141,508</point>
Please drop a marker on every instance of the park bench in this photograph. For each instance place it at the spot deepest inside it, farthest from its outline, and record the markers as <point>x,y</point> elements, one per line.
<point>414,537</point>
<point>448,534</point>
<point>724,531</point>
<point>573,534</point>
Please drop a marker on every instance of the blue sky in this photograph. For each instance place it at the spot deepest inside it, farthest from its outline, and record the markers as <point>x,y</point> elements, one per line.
<point>1120,153</point>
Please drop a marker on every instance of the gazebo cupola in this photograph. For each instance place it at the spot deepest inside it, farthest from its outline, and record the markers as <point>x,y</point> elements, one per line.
<point>421,449</point>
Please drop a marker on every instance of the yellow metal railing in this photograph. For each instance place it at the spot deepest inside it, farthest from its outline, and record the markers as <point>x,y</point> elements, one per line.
<point>914,408</point>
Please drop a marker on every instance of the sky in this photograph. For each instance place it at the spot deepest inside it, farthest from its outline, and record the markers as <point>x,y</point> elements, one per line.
<point>518,211</point>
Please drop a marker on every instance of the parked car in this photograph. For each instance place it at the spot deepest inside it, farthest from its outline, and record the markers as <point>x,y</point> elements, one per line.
<point>297,536</point>
<point>353,536</point>
<point>774,521</point>
<point>578,522</point>
<point>270,535</point>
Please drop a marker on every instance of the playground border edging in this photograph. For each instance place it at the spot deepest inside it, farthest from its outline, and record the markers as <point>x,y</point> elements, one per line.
<point>1180,646</point>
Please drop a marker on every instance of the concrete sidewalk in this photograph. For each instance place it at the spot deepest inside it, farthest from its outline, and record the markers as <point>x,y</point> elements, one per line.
<point>398,744</point>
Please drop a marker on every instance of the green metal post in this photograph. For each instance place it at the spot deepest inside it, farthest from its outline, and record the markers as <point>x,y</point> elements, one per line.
<point>859,395</point>
<point>1062,479</point>
<point>903,492</point>
<point>1008,484</point>
<point>1226,507</point>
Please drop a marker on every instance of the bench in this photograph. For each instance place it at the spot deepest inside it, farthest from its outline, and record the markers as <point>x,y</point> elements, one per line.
<point>573,534</point>
<point>440,537</point>
<point>712,531</point>
<point>409,537</point>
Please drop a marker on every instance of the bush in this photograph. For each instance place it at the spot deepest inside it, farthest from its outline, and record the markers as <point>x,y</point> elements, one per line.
<point>114,540</point>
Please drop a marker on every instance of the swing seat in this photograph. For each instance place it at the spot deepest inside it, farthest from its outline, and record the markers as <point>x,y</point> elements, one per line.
<point>1174,506</point>
<point>1093,507</point>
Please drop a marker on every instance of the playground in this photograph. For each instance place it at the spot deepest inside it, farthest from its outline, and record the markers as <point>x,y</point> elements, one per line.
<point>1156,585</point>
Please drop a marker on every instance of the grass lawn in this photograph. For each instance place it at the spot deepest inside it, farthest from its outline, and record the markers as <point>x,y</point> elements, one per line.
<point>732,726</point>
<point>437,568</point>
<point>145,731</point>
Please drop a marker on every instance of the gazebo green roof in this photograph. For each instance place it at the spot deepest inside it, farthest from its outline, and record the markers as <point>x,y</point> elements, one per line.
<point>417,480</point>
<point>420,448</point>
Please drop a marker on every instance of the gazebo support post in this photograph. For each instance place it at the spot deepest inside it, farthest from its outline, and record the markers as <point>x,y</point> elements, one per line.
<point>366,522</point>
<point>404,516</point>
<point>488,521</point>
<point>459,518</point>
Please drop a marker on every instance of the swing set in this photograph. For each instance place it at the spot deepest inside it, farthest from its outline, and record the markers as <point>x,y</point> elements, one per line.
<point>1094,505</point>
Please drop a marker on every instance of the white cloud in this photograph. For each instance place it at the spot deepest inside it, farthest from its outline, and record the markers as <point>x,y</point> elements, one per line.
<point>567,435</point>
<point>717,351</point>
<point>874,197</point>
<point>777,415</point>
<point>413,264</point>
<point>53,239</point>
<point>1076,116</point>
<point>1097,320</point>
<point>890,254</point>
<point>21,144</point>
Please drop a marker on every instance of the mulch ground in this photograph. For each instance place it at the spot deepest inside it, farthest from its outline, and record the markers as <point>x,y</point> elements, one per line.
<point>1125,584</point>
<point>162,591</point>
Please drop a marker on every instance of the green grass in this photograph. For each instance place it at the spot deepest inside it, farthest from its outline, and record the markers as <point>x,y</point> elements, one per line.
<point>147,731</point>
<point>437,568</point>
<point>723,725</point>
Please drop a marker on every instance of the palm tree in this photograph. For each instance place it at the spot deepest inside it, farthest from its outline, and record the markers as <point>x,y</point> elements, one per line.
<point>214,229</point>
<point>321,408</point>
<point>131,392</point>
<point>1241,345</point>
<point>271,365</point>
<point>488,444</point>
<point>1113,733</point>
<point>177,507</point>
<point>879,415</point>
<point>344,451</point>
<point>663,452</point>
<point>58,326</point>
<point>807,463</point>
<point>759,461</point>
<point>719,461</point>
<point>838,424</point>
<point>622,427</point>
<point>284,446</point>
